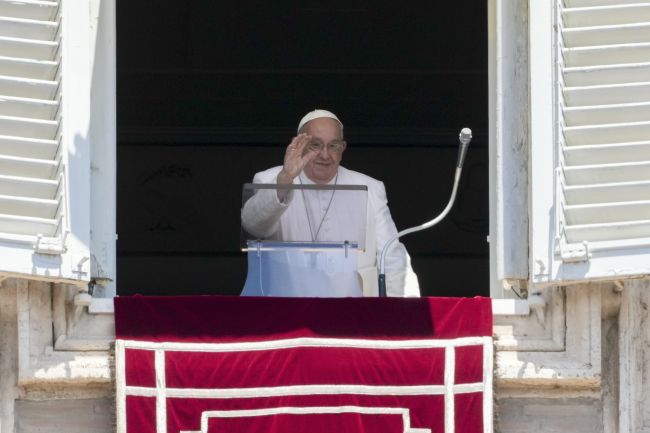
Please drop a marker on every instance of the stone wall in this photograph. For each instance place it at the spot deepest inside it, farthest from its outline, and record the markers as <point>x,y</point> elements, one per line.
<point>576,362</point>
<point>56,363</point>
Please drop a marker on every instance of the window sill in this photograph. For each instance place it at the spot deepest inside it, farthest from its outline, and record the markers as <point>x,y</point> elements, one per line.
<point>500,307</point>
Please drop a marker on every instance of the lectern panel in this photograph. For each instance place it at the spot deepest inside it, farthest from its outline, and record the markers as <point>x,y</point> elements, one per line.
<point>304,214</point>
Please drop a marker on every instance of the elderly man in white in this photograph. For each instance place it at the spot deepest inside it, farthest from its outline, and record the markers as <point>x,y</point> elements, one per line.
<point>314,157</point>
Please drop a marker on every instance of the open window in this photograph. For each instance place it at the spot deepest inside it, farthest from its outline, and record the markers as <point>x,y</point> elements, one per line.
<point>209,93</point>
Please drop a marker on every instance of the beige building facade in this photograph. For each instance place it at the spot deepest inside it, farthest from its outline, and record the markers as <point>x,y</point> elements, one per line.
<point>569,231</point>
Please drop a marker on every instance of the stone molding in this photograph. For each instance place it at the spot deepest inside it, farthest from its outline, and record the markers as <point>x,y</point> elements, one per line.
<point>61,342</point>
<point>561,350</point>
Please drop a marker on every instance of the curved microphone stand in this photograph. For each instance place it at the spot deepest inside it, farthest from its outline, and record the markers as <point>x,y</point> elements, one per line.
<point>464,137</point>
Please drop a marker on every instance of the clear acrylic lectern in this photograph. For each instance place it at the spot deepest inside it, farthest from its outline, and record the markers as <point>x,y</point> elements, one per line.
<point>303,240</point>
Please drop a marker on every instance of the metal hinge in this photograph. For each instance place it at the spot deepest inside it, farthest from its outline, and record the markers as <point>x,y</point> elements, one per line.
<point>52,246</point>
<point>572,253</point>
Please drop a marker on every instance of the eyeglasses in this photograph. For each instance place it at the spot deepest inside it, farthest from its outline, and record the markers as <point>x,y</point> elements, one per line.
<point>334,146</point>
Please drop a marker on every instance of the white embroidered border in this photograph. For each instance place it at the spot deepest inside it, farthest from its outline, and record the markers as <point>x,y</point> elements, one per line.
<point>449,389</point>
<point>161,392</point>
<point>450,373</point>
<point>307,342</point>
<point>120,386</point>
<point>292,390</point>
<point>488,377</point>
<point>406,418</point>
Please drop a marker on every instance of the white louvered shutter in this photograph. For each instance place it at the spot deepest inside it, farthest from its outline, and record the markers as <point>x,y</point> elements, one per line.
<point>44,225</point>
<point>600,227</point>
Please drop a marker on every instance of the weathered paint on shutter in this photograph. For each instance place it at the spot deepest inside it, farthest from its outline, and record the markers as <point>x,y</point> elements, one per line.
<point>32,189</point>
<point>45,173</point>
<point>604,112</point>
<point>590,141</point>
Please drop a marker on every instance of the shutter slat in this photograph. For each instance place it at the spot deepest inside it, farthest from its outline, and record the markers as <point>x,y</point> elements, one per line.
<point>592,3</point>
<point>28,187</point>
<point>27,167</point>
<point>28,48</point>
<point>597,213</point>
<point>30,9</point>
<point>27,87</point>
<point>608,173</point>
<point>28,147</point>
<point>29,29</point>
<point>607,193</point>
<point>38,208</point>
<point>608,231</point>
<point>603,114</point>
<point>607,153</point>
<point>603,35</point>
<point>606,15</point>
<point>26,107</point>
<point>607,94</point>
<point>606,54</point>
<point>609,74</point>
<point>31,128</point>
<point>28,225</point>
<point>609,133</point>
<point>27,68</point>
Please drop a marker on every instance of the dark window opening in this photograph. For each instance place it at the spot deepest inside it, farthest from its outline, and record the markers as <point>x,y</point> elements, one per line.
<point>209,93</point>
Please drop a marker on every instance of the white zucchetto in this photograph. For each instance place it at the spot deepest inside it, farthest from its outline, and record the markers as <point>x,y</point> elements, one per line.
<point>317,114</point>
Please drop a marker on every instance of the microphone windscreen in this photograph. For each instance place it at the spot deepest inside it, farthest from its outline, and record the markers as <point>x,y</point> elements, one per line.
<point>465,135</point>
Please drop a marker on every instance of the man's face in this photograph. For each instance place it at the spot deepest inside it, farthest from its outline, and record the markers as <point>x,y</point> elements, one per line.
<point>324,166</point>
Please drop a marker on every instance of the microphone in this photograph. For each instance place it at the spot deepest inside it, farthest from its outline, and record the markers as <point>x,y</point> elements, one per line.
<point>464,137</point>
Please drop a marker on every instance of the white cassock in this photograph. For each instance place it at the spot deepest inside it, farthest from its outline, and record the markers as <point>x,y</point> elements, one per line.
<point>264,216</point>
